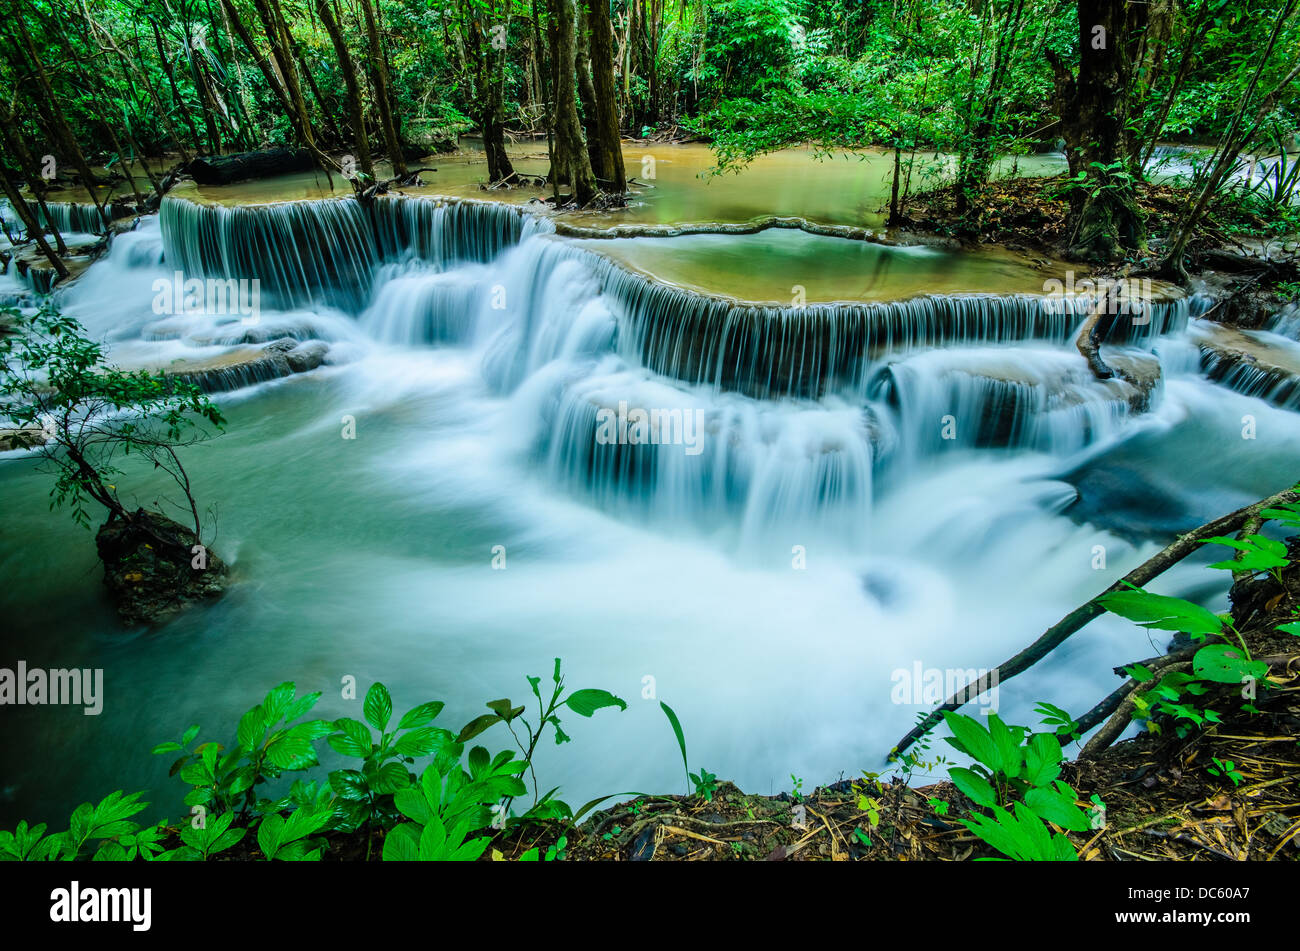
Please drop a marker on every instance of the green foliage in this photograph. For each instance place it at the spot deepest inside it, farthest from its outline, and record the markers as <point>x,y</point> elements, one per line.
<point>583,702</point>
<point>268,743</point>
<point>1018,769</point>
<point>288,839</point>
<point>449,805</point>
<point>367,793</point>
<point>56,379</point>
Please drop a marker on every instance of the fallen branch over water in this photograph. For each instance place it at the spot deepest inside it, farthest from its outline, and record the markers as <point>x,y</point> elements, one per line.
<point>1061,631</point>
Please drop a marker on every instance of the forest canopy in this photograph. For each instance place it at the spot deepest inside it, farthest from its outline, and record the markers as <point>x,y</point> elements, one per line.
<point>1106,80</point>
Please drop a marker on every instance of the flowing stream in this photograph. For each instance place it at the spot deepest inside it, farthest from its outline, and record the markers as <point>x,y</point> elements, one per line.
<point>838,490</point>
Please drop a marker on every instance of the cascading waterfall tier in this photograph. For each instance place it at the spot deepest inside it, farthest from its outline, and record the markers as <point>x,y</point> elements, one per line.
<point>328,250</point>
<point>769,351</point>
<point>70,217</point>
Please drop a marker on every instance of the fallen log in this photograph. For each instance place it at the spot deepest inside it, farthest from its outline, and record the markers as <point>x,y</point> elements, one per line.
<point>225,169</point>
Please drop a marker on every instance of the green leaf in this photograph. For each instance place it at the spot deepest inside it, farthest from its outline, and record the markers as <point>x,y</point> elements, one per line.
<point>422,741</point>
<point>378,706</point>
<point>1161,612</point>
<point>477,726</point>
<point>349,784</point>
<point>586,702</point>
<point>504,709</point>
<point>390,778</point>
<point>354,739</point>
<point>1010,758</point>
<point>270,834</point>
<point>1225,664</point>
<point>1042,759</point>
<point>292,751</point>
<point>421,715</point>
<point>1058,805</point>
<point>974,786</point>
<point>677,729</point>
<point>402,844</point>
<point>971,739</point>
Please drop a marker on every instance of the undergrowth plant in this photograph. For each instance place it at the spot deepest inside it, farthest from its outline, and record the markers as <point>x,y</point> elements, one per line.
<point>1225,657</point>
<point>1015,777</point>
<point>450,810</point>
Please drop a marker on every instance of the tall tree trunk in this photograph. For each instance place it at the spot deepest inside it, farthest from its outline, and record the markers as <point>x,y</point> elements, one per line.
<point>1236,137</point>
<point>380,67</point>
<point>1094,113</point>
<point>30,223</point>
<point>609,142</point>
<point>66,139</point>
<point>587,92</point>
<point>166,64</point>
<point>13,141</point>
<point>263,63</point>
<point>356,117</point>
<point>326,112</point>
<point>268,14</point>
<point>570,149</point>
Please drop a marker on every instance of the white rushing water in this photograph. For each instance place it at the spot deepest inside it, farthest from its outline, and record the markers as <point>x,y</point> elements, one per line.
<point>826,498</point>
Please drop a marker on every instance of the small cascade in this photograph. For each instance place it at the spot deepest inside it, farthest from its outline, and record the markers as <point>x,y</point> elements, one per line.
<point>637,445</point>
<point>1286,322</point>
<point>1253,379</point>
<point>328,250</point>
<point>1030,397</point>
<point>416,305</point>
<point>1257,363</point>
<point>70,217</point>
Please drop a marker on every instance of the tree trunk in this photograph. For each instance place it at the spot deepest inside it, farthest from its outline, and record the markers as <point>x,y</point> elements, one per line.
<point>13,141</point>
<point>296,106</point>
<point>356,118</point>
<point>171,83</point>
<point>58,123</point>
<point>1104,217</point>
<point>609,143</point>
<point>570,149</point>
<point>391,140</point>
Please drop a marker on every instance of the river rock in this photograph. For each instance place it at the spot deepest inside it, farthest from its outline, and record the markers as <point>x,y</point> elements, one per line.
<point>150,567</point>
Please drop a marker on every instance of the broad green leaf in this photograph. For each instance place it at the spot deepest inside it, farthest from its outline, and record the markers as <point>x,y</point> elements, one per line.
<point>1225,664</point>
<point>1058,805</point>
<point>378,706</point>
<point>476,726</point>
<point>972,739</point>
<point>1042,759</point>
<point>421,715</point>
<point>973,785</point>
<point>586,702</point>
<point>1161,612</point>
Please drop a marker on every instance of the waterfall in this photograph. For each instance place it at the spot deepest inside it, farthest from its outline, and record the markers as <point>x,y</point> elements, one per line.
<point>329,249</point>
<point>1286,322</point>
<point>1271,384</point>
<point>660,402</point>
<point>768,351</point>
<point>70,217</point>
